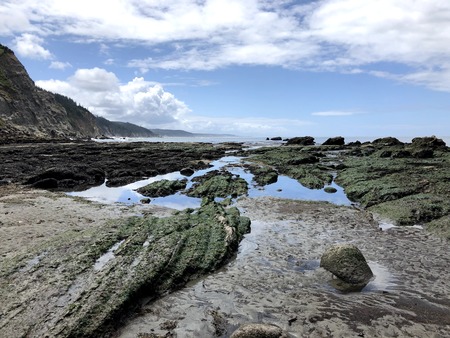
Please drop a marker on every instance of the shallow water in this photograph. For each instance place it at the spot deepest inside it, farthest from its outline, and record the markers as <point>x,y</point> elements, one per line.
<point>285,187</point>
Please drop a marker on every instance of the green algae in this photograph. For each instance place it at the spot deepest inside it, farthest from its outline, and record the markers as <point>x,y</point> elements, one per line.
<point>219,184</point>
<point>155,255</point>
<point>165,253</point>
<point>263,175</point>
<point>299,162</point>
<point>162,188</point>
<point>408,189</point>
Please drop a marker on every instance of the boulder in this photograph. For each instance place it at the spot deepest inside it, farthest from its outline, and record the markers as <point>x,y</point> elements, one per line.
<point>387,141</point>
<point>187,172</point>
<point>303,141</point>
<point>259,331</point>
<point>348,264</point>
<point>431,142</point>
<point>277,138</point>
<point>330,190</point>
<point>334,141</point>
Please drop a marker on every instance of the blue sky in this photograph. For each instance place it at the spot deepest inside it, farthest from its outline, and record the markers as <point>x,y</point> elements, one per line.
<point>245,67</point>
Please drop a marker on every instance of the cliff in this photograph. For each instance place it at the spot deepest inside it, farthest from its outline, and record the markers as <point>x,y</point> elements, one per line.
<point>29,112</point>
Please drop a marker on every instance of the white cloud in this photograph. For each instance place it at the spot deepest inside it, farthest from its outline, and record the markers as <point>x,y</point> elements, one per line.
<point>138,101</point>
<point>246,126</point>
<point>348,36</point>
<point>60,65</point>
<point>30,46</point>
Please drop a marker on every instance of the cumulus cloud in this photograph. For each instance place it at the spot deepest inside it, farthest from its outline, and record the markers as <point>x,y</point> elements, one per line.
<point>350,36</point>
<point>138,101</point>
<point>30,46</point>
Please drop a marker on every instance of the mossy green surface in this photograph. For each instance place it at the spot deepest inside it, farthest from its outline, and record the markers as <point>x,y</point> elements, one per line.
<point>162,188</point>
<point>298,162</point>
<point>406,190</point>
<point>219,184</point>
<point>264,175</point>
<point>156,255</point>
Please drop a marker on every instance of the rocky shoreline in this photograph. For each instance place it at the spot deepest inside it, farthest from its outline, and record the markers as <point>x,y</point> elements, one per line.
<point>73,268</point>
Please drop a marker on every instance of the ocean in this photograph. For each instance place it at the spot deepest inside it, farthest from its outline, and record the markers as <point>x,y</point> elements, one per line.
<point>262,141</point>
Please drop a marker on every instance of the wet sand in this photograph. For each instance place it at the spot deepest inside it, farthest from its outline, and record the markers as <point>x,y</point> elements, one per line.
<point>276,279</point>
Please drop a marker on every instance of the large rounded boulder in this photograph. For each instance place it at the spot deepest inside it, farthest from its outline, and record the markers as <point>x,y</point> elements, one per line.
<point>348,264</point>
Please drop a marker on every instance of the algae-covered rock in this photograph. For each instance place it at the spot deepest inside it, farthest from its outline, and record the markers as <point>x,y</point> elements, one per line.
<point>428,142</point>
<point>300,163</point>
<point>264,175</point>
<point>387,142</point>
<point>162,188</point>
<point>147,256</point>
<point>346,262</point>
<point>258,330</point>
<point>219,184</point>
<point>407,184</point>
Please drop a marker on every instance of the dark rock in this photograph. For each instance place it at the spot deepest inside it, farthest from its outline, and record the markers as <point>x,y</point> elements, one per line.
<point>146,201</point>
<point>346,262</point>
<point>354,144</point>
<point>87,164</point>
<point>308,159</point>
<point>187,172</point>
<point>330,190</point>
<point>61,178</point>
<point>401,154</point>
<point>334,141</point>
<point>257,330</point>
<point>431,142</point>
<point>387,142</point>
<point>277,138</point>
<point>386,153</point>
<point>46,183</point>
<point>423,153</point>
<point>303,141</point>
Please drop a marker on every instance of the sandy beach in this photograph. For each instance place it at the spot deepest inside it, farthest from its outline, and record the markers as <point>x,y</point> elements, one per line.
<point>74,266</point>
<point>275,277</point>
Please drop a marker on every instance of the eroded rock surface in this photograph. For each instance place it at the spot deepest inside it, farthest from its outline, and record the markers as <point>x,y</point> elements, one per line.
<point>81,282</point>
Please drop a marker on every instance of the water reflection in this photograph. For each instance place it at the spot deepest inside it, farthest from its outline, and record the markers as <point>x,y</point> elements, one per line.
<point>285,187</point>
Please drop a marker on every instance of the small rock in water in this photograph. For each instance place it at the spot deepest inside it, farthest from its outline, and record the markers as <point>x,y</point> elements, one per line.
<point>145,200</point>
<point>259,331</point>
<point>348,264</point>
<point>187,172</point>
<point>330,190</point>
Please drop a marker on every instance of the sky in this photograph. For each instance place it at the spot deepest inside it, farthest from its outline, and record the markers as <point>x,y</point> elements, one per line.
<point>260,68</point>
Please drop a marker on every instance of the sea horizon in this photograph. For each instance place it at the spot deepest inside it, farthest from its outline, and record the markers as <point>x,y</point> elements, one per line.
<point>255,139</point>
